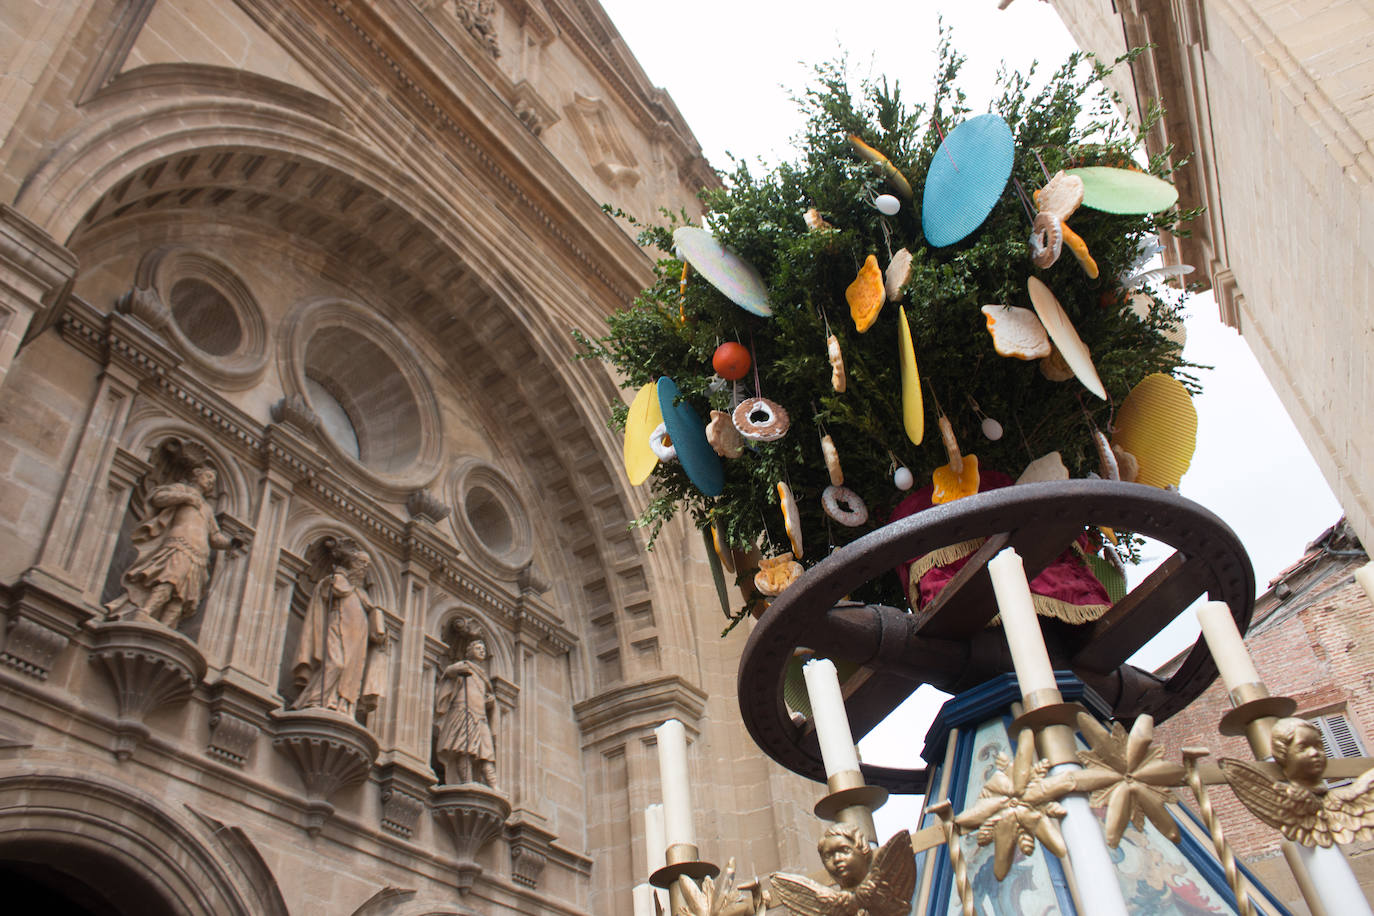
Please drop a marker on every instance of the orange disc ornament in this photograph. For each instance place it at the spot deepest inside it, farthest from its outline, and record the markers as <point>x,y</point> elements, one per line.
<point>731,361</point>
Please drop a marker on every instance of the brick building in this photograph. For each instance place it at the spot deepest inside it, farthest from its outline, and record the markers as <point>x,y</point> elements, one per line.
<point>333,251</point>
<point>1311,640</point>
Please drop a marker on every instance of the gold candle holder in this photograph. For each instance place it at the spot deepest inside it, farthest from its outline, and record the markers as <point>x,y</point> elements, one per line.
<point>684,860</point>
<point>1052,721</point>
<point>851,801</point>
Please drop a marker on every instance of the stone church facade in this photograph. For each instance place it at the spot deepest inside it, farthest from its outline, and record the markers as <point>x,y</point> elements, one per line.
<point>290,421</point>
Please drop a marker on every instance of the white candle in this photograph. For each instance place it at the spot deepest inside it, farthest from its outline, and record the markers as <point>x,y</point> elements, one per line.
<point>1335,881</point>
<point>1019,624</point>
<point>672,773</point>
<point>657,843</point>
<point>644,900</point>
<point>1228,649</point>
<point>832,722</point>
<point>1365,576</point>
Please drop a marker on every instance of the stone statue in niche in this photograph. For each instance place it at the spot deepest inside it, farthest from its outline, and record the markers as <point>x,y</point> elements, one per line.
<point>339,662</point>
<point>176,539</point>
<point>463,705</point>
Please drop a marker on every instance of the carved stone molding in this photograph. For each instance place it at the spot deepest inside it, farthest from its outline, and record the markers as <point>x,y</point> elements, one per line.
<point>294,411</point>
<point>473,815</point>
<point>330,750</point>
<point>530,107</point>
<point>404,794</point>
<point>231,738</point>
<point>150,666</point>
<point>425,505</point>
<point>530,845</point>
<point>31,646</point>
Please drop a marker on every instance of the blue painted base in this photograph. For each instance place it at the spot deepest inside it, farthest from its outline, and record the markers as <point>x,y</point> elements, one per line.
<point>1157,877</point>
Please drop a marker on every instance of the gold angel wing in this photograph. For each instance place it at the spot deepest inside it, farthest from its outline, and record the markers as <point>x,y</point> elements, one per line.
<point>891,880</point>
<point>1296,812</point>
<point>1350,810</point>
<point>805,897</point>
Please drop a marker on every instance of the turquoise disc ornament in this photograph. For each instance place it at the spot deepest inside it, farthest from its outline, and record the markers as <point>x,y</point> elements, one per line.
<point>966,179</point>
<point>688,436</point>
<point>735,277</point>
<point>1124,191</point>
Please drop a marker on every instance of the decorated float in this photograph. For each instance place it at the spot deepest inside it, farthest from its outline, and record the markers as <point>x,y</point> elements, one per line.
<point>922,392</point>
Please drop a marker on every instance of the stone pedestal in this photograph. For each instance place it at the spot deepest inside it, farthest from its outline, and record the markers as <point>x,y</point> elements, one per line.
<point>330,750</point>
<point>473,814</point>
<point>150,665</point>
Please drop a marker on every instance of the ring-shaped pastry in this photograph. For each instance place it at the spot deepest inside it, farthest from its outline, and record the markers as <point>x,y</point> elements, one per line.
<point>844,506</point>
<point>662,445</point>
<point>761,420</point>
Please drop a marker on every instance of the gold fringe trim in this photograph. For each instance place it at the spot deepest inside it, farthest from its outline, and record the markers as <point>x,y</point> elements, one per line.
<point>1063,610</point>
<point>942,557</point>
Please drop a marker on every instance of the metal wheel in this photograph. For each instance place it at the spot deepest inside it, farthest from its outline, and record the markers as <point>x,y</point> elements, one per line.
<point>949,644</point>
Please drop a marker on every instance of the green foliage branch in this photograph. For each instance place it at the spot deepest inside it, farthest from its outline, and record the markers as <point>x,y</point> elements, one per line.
<point>1068,122</point>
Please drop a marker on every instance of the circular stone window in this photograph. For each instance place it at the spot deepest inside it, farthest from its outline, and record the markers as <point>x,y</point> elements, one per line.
<point>378,414</point>
<point>205,315</point>
<point>214,320</point>
<point>490,521</point>
<point>380,422</point>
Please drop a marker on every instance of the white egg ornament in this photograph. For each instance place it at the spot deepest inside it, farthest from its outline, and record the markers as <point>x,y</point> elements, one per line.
<point>903,478</point>
<point>992,429</point>
<point>887,204</point>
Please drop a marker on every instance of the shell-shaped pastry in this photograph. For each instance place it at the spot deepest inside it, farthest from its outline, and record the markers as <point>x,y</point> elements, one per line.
<point>1047,467</point>
<point>814,221</point>
<point>776,573</point>
<point>1016,332</point>
<point>1061,195</point>
<point>723,436</point>
<point>897,273</point>
<point>865,295</point>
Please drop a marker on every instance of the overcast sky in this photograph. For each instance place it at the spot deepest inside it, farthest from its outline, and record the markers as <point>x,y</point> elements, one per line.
<point>731,67</point>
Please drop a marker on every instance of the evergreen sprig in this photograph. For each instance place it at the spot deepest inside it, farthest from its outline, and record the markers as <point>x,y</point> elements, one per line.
<point>1067,123</point>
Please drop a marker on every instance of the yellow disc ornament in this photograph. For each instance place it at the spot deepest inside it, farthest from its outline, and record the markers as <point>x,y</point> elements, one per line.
<point>644,417</point>
<point>1157,424</point>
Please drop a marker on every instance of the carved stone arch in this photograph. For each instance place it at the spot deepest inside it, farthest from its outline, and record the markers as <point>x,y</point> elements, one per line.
<point>398,901</point>
<point>456,292</point>
<point>125,841</point>
<point>307,527</point>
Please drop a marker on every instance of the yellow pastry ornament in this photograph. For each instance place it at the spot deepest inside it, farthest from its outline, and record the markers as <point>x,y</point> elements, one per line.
<point>776,573</point>
<point>957,479</point>
<point>866,295</point>
<point>895,179</point>
<point>832,461</point>
<point>721,546</point>
<point>913,406</point>
<point>791,518</point>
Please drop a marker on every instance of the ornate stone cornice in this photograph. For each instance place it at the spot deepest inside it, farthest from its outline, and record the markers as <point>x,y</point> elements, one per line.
<point>638,707</point>
<point>405,77</point>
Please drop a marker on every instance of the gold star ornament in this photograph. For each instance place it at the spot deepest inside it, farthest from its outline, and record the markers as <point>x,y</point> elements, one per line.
<point>1128,776</point>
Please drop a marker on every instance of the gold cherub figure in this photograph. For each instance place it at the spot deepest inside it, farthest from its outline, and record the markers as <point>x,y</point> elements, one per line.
<point>1300,806</point>
<point>867,883</point>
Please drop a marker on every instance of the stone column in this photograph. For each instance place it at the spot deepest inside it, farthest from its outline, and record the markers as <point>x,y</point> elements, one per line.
<point>36,275</point>
<point>406,737</point>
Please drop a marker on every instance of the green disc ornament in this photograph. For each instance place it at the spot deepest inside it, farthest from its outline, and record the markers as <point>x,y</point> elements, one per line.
<point>1124,191</point>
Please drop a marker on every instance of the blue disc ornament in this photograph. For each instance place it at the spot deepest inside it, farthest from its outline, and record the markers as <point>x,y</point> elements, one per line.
<point>735,277</point>
<point>688,436</point>
<point>966,179</point>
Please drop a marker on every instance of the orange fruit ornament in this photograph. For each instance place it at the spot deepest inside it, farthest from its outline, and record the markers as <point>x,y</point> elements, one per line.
<point>731,361</point>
